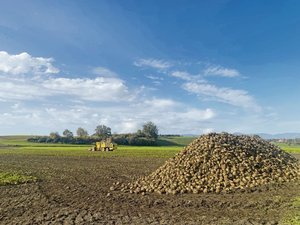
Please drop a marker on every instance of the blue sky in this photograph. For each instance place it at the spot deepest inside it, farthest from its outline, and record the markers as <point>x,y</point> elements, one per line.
<point>191,67</point>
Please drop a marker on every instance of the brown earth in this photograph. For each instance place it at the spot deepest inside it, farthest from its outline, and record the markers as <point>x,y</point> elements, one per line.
<point>76,190</point>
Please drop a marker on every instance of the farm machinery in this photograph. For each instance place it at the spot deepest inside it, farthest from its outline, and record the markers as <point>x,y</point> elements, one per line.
<point>104,146</point>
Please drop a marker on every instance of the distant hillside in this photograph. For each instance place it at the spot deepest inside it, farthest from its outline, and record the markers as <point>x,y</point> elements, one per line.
<point>263,135</point>
<point>178,141</point>
<point>185,140</point>
<point>279,136</point>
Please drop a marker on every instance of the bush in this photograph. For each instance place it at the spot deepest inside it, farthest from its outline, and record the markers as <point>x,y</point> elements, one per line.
<point>141,141</point>
<point>120,139</point>
<point>63,140</point>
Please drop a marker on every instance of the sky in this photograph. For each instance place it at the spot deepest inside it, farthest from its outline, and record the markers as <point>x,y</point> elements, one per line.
<point>191,67</point>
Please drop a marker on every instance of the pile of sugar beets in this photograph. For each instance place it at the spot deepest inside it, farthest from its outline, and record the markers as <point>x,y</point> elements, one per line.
<point>220,163</point>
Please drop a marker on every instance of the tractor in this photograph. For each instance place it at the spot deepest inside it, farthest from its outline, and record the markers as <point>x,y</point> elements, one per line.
<point>104,146</point>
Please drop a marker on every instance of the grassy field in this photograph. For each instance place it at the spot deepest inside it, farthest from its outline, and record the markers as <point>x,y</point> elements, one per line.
<point>170,146</point>
<point>21,141</point>
<point>178,141</point>
<point>289,148</point>
<point>19,145</point>
<point>130,151</point>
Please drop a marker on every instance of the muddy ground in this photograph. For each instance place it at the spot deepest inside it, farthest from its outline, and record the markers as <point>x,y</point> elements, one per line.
<point>74,190</point>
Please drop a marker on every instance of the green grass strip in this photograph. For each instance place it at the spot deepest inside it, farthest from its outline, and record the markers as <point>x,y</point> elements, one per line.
<point>14,178</point>
<point>293,217</point>
<point>289,148</point>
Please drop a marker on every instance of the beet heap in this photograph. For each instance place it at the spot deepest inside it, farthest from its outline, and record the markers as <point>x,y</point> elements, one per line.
<point>220,162</point>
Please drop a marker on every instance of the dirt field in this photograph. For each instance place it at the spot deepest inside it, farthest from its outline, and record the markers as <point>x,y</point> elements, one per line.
<point>74,190</point>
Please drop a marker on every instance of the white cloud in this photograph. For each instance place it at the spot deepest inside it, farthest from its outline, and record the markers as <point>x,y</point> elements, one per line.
<point>21,90</point>
<point>200,115</point>
<point>104,88</point>
<point>24,63</point>
<point>170,116</point>
<point>157,81</point>
<point>234,97</point>
<point>154,77</point>
<point>208,130</point>
<point>104,72</point>
<point>128,126</point>
<point>62,102</point>
<point>160,103</point>
<point>197,85</point>
<point>221,71</point>
<point>182,75</point>
<point>154,63</point>
<point>100,89</point>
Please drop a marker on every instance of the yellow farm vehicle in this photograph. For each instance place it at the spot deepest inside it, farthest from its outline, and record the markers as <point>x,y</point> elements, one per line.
<point>104,146</point>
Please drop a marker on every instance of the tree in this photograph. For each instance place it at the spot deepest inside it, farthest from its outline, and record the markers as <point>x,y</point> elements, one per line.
<point>54,135</point>
<point>67,133</point>
<point>103,131</point>
<point>82,132</point>
<point>150,130</point>
<point>140,133</point>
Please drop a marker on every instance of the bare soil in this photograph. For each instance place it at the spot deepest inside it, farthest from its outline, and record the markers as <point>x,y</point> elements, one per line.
<point>76,190</point>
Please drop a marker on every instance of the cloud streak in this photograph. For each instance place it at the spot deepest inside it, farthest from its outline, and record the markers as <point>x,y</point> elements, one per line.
<point>196,84</point>
<point>153,63</point>
<point>221,71</point>
<point>234,97</point>
<point>182,75</point>
<point>104,72</point>
<point>154,77</point>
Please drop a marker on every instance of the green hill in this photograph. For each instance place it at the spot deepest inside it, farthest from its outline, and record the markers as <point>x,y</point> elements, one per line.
<point>175,141</point>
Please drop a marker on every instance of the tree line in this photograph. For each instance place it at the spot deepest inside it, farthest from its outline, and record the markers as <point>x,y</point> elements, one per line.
<point>295,141</point>
<point>148,136</point>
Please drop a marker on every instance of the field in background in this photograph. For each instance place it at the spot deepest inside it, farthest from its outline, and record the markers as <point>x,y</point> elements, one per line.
<point>168,148</point>
<point>289,148</point>
<point>19,145</point>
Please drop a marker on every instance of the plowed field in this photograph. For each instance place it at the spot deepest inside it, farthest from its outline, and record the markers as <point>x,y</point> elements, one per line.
<point>76,190</point>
